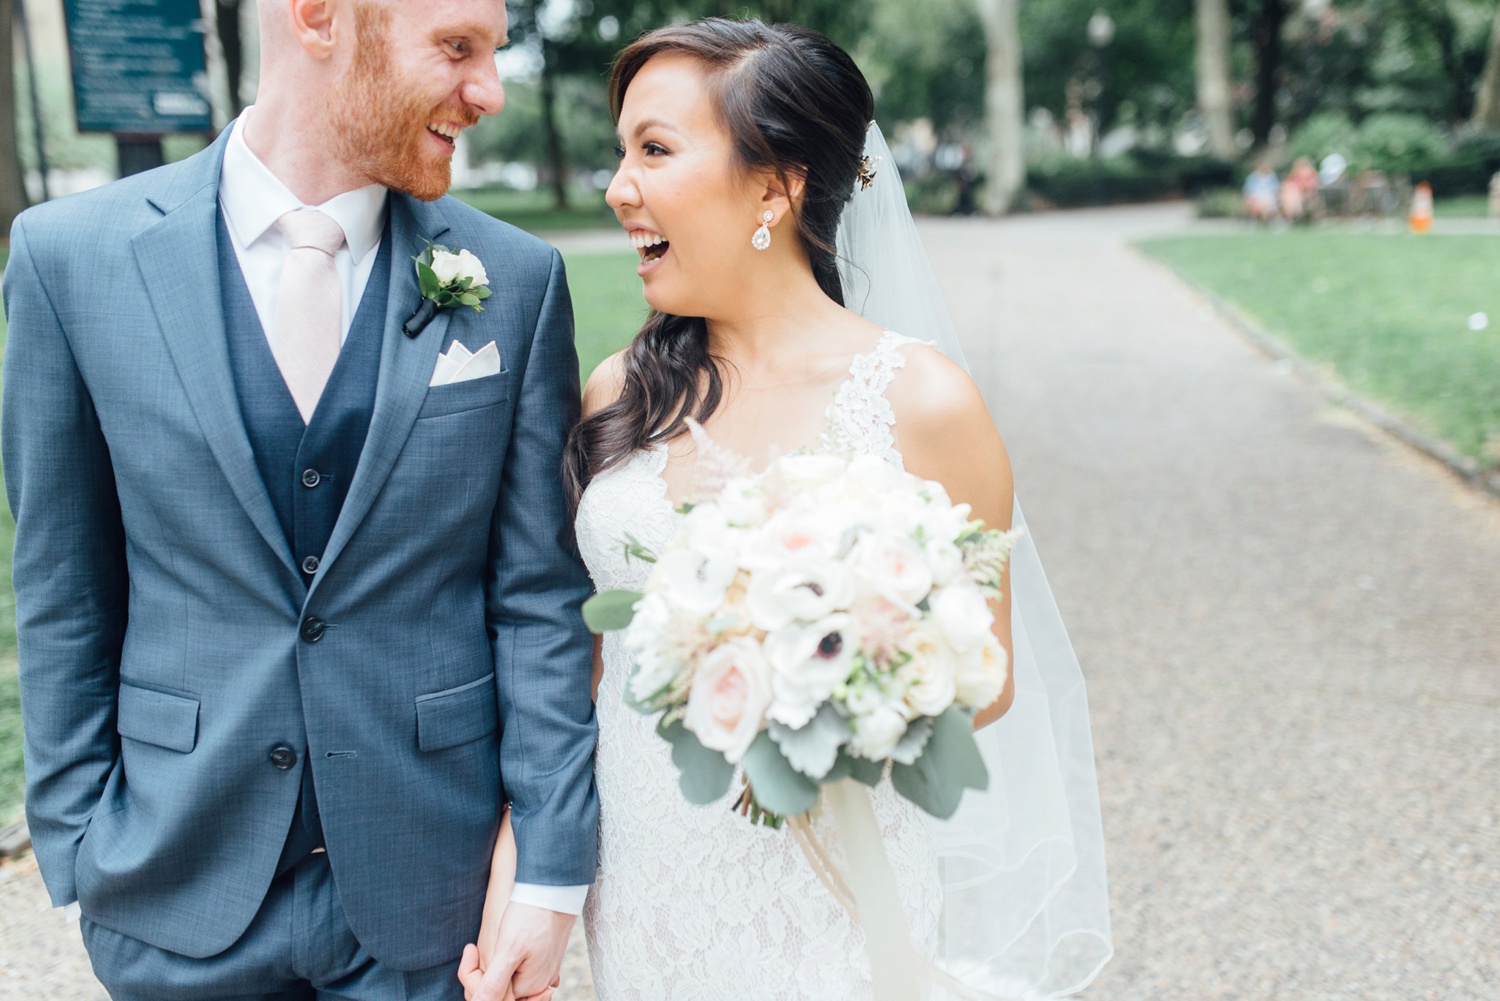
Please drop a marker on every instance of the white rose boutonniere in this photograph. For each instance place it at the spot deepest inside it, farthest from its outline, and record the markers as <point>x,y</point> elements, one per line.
<point>448,279</point>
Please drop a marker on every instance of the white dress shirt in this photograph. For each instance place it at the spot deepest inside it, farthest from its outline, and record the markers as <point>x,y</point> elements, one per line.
<point>252,199</point>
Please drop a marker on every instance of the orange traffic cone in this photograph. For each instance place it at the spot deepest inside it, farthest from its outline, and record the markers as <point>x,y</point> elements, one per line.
<point>1421,209</point>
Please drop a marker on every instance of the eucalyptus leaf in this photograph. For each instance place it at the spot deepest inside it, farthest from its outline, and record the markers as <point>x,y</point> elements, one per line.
<point>428,280</point>
<point>469,299</point>
<point>462,285</point>
<point>950,763</point>
<point>483,291</point>
<point>610,610</point>
<point>778,786</point>
<point>863,770</point>
<point>705,774</point>
<point>814,748</point>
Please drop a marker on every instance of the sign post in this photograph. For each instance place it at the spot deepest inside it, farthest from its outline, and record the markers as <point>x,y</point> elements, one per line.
<point>140,72</point>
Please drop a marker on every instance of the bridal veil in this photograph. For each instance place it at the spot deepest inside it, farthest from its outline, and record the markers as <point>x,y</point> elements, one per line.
<point>1026,904</point>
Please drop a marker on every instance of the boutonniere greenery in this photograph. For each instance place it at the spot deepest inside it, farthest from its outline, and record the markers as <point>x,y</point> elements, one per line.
<point>448,279</point>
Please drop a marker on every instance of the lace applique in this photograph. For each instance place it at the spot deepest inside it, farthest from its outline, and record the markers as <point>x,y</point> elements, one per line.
<point>860,417</point>
<point>693,903</point>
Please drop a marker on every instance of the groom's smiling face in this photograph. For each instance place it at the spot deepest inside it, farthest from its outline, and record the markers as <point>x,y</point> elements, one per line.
<point>419,75</point>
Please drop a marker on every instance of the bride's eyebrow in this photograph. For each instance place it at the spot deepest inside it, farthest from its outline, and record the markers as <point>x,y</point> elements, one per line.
<point>647,125</point>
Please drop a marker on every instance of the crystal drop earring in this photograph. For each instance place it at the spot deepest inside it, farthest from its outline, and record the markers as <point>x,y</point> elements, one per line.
<point>762,238</point>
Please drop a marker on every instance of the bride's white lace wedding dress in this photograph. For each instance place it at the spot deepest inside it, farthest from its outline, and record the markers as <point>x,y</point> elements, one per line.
<point>693,903</point>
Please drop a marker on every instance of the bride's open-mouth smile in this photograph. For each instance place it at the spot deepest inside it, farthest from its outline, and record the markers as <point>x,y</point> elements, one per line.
<point>652,248</point>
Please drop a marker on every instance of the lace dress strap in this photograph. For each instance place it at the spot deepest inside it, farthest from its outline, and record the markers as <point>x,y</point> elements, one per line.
<point>859,417</point>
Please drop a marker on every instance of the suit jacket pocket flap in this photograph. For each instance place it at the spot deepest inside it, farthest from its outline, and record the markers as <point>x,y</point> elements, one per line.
<point>458,715</point>
<point>169,721</point>
<point>461,397</point>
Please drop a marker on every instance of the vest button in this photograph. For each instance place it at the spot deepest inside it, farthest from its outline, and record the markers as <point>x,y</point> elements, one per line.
<point>312,629</point>
<point>283,758</point>
<point>311,478</point>
<point>310,565</point>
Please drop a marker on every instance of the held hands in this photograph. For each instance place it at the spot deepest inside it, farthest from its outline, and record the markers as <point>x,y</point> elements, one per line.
<point>520,950</point>
<point>525,963</point>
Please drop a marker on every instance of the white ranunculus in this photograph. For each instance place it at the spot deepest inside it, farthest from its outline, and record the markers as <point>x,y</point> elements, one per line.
<point>809,468</point>
<point>931,676</point>
<point>807,663</point>
<point>876,474</point>
<point>692,581</point>
<point>743,502</point>
<point>944,559</point>
<point>728,699</point>
<point>891,565</point>
<point>877,733</point>
<point>981,674</point>
<point>963,615</point>
<point>791,537</point>
<point>708,532</point>
<point>645,639</point>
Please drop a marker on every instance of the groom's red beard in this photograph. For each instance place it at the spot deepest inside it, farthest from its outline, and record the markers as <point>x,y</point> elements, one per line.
<point>381,121</point>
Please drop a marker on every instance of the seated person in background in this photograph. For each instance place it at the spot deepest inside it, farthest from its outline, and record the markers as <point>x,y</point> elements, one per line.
<point>1261,190</point>
<point>1299,191</point>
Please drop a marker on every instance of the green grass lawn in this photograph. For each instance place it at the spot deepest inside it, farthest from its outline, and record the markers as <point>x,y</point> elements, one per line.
<point>534,211</point>
<point>1388,314</point>
<point>1465,207</point>
<point>607,305</point>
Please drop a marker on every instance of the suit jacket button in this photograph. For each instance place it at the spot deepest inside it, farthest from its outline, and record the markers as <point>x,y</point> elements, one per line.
<point>310,565</point>
<point>312,629</point>
<point>311,478</point>
<point>283,758</point>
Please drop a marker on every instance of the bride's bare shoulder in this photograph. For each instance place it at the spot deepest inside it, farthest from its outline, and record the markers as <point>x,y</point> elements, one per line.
<point>931,391</point>
<point>605,384</point>
<point>945,432</point>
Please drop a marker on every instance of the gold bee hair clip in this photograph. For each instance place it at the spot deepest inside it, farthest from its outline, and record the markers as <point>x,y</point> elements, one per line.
<point>867,172</point>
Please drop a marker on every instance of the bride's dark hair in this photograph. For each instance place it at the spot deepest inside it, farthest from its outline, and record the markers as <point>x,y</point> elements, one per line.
<point>793,103</point>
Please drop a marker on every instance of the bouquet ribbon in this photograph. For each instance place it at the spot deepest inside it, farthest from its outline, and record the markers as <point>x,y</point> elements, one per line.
<point>870,895</point>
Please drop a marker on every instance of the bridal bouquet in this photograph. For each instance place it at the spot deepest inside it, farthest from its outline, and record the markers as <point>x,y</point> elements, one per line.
<point>823,620</point>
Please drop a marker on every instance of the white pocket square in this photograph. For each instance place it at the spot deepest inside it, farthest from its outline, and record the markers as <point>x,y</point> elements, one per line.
<point>460,364</point>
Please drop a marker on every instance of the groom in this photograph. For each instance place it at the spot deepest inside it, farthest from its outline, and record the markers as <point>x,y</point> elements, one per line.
<point>298,612</point>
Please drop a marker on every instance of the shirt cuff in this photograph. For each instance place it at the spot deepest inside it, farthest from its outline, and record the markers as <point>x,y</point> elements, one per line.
<point>562,899</point>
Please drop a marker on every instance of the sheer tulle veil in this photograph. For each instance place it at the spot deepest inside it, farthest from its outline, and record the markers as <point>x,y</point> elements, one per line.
<point>1026,905</point>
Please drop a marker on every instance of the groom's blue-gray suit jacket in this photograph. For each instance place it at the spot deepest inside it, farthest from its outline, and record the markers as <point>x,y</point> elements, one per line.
<point>178,671</point>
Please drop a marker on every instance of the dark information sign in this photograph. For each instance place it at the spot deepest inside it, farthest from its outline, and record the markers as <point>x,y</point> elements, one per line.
<point>138,66</point>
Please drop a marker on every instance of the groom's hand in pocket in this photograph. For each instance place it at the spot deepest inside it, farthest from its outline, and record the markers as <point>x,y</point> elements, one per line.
<point>526,960</point>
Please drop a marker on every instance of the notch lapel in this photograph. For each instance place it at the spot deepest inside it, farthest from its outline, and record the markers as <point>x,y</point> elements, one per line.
<point>406,365</point>
<point>178,259</point>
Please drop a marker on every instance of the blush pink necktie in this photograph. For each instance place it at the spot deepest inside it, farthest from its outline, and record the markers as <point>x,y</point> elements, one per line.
<point>309,308</point>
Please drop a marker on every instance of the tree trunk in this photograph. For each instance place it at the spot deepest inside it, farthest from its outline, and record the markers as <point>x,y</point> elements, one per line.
<point>556,160</point>
<point>1266,36</point>
<point>232,43</point>
<point>12,173</point>
<point>555,157</point>
<point>1004,105</point>
<point>1487,96</point>
<point>1214,100</point>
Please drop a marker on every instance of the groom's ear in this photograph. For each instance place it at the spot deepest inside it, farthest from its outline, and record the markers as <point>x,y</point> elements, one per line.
<point>316,24</point>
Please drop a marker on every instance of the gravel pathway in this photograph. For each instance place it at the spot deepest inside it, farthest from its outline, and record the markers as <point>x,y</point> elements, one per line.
<point>1288,622</point>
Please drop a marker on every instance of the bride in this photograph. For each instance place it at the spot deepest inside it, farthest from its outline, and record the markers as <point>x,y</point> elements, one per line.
<point>740,145</point>
<point>741,148</point>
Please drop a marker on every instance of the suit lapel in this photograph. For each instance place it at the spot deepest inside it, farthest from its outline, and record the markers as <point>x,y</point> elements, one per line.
<point>406,365</point>
<point>179,262</point>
